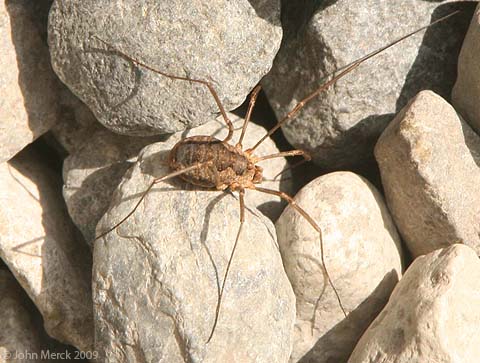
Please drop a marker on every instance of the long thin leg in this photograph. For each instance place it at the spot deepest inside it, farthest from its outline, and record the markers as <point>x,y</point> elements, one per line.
<point>344,71</point>
<point>310,220</point>
<point>306,157</point>
<point>220,295</point>
<point>253,99</point>
<point>302,153</point>
<point>144,194</point>
<point>206,83</point>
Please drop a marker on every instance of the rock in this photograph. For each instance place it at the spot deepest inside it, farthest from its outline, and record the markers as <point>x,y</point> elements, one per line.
<point>362,254</point>
<point>429,162</point>
<point>77,124</point>
<point>37,243</point>
<point>340,127</point>
<point>28,86</point>
<point>157,277</point>
<point>466,91</point>
<point>92,173</point>
<point>23,336</point>
<point>432,315</point>
<point>229,43</point>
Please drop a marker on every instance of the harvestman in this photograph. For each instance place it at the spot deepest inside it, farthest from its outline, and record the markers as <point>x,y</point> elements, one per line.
<point>215,164</point>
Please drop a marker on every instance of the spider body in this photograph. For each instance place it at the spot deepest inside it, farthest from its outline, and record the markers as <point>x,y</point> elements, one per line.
<point>227,166</point>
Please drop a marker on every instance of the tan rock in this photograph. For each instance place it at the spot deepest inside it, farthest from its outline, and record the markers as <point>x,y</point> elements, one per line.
<point>432,314</point>
<point>429,162</point>
<point>466,92</point>
<point>23,336</point>
<point>28,86</point>
<point>362,254</point>
<point>37,243</point>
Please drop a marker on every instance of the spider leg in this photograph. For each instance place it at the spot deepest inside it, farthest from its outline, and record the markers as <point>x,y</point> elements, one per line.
<point>199,81</point>
<point>315,226</point>
<point>220,295</point>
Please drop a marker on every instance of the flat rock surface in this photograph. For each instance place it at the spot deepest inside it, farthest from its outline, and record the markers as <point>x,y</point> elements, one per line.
<point>432,315</point>
<point>466,93</point>
<point>429,162</point>
<point>28,86</point>
<point>340,127</point>
<point>362,255</point>
<point>157,276</point>
<point>228,43</point>
<point>37,243</point>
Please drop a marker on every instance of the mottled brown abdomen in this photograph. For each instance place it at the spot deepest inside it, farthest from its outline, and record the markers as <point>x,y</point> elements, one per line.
<point>229,166</point>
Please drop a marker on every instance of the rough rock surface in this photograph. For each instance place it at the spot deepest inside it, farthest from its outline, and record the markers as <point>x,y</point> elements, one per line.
<point>76,125</point>
<point>37,243</point>
<point>432,315</point>
<point>341,126</point>
<point>19,333</point>
<point>466,93</point>
<point>229,43</point>
<point>92,173</point>
<point>362,254</point>
<point>156,277</point>
<point>28,86</point>
<point>429,161</point>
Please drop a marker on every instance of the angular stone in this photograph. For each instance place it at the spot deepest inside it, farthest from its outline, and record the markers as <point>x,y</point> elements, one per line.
<point>229,43</point>
<point>362,254</point>
<point>429,161</point>
<point>432,314</point>
<point>28,86</point>
<point>340,127</point>
<point>466,92</point>
<point>157,276</point>
<point>37,243</point>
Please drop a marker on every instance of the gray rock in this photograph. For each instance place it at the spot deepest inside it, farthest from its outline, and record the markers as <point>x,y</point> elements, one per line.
<point>38,245</point>
<point>28,86</point>
<point>429,162</point>
<point>156,277</point>
<point>92,173</point>
<point>76,125</point>
<point>362,254</point>
<point>341,126</point>
<point>229,43</point>
<point>466,93</point>
<point>432,315</point>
